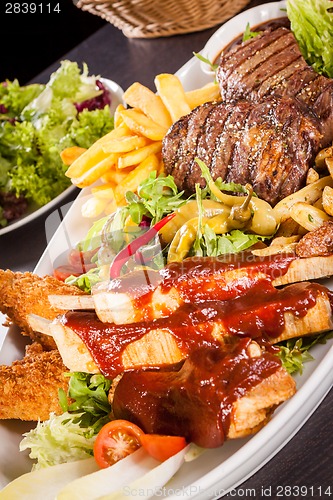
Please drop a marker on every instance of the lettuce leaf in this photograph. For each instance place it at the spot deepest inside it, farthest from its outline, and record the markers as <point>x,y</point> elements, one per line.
<point>70,436</point>
<point>311,22</point>
<point>58,440</point>
<point>38,122</point>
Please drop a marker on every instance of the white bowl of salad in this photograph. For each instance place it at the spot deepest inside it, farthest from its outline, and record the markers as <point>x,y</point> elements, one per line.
<point>37,122</point>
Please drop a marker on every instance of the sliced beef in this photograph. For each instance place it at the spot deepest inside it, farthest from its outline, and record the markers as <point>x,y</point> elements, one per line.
<point>269,144</point>
<point>272,64</point>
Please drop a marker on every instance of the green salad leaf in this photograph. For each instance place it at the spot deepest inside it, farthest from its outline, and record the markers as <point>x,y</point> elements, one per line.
<point>311,22</point>
<point>58,440</point>
<point>70,436</point>
<point>37,122</point>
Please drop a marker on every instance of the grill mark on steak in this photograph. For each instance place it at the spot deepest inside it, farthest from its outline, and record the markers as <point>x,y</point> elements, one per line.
<point>295,74</point>
<point>258,77</point>
<point>268,144</point>
<point>233,78</point>
<point>228,141</point>
<point>196,128</point>
<point>276,115</point>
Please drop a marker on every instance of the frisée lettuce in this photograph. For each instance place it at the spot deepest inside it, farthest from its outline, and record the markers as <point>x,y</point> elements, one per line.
<point>39,121</point>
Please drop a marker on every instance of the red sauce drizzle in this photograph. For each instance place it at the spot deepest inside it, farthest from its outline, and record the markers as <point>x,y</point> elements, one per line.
<point>201,278</point>
<point>195,400</point>
<point>258,314</point>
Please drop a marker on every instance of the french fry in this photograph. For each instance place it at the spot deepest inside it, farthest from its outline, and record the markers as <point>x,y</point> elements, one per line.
<point>308,216</point>
<point>125,144</point>
<point>104,191</point>
<point>69,155</point>
<point>207,93</point>
<point>117,118</point>
<point>139,123</point>
<point>141,97</point>
<point>95,154</point>
<point>139,155</point>
<point>115,175</point>
<point>309,194</point>
<point>113,205</point>
<point>137,175</point>
<point>172,93</point>
<point>327,200</point>
<point>93,207</point>
<point>96,172</point>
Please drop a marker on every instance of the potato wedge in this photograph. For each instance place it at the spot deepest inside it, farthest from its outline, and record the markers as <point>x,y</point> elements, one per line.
<point>309,194</point>
<point>308,216</point>
<point>327,200</point>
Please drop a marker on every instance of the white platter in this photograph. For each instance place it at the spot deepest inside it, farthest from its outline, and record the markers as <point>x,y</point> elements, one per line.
<point>34,211</point>
<point>217,471</point>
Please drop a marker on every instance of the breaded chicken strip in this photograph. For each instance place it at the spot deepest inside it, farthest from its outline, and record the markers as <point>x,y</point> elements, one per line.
<point>29,387</point>
<point>27,293</point>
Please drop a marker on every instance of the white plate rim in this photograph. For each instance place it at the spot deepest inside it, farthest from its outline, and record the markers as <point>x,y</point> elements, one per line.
<point>315,383</point>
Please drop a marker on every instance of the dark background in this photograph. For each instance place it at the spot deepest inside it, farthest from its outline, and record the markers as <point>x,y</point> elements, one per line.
<point>33,41</point>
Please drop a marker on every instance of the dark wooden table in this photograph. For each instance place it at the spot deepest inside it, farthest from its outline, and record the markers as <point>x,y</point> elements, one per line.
<point>307,459</point>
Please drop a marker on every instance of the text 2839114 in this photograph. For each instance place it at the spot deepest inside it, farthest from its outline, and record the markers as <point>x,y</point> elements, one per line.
<point>13,8</point>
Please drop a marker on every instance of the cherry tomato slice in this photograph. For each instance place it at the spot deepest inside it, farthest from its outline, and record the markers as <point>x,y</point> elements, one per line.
<point>63,272</point>
<point>116,440</point>
<point>162,447</point>
<point>81,261</point>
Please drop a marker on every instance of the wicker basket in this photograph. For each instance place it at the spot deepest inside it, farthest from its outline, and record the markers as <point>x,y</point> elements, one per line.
<point>157,18</point>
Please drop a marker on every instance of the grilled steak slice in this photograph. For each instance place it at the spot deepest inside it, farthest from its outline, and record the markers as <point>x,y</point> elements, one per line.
<point>269,144</point>
<point>272,64</point>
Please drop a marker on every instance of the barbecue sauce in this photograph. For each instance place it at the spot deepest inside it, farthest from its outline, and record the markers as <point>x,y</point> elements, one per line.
<point>210,272</point>
<point>258,314</point>
<point>195,401</point>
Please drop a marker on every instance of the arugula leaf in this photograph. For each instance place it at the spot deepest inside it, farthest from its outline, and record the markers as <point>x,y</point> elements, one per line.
<point>233,242</point>
<point>295,352</point>
<point>248,34</point>
<point>212,66</point>
<point>157,196</point>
